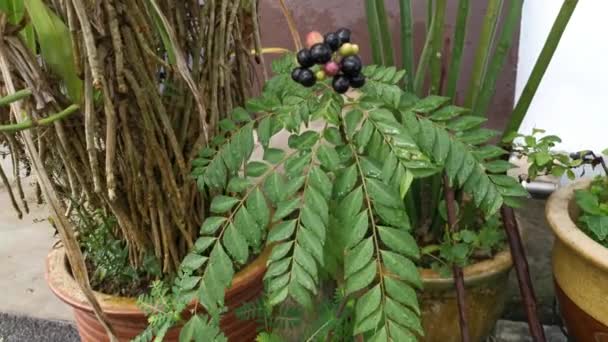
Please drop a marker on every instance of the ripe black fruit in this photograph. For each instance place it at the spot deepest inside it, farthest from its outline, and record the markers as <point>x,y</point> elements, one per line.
<point>357,81</point>
<point>307,78</point>
<point>333,41</point>
<point>295,74</point>
<point>351,65</point>
<point>340,84</point>
<point>305,58</point>
<point>344,35</point>
<point>321,53</point>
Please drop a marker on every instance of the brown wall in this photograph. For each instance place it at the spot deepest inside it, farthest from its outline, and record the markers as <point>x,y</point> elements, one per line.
<point>327,15</point>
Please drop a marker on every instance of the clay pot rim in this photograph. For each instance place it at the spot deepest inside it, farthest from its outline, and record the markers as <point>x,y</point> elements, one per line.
<point>565,229</point>
<point>64,286</point>
<point>476,273</point>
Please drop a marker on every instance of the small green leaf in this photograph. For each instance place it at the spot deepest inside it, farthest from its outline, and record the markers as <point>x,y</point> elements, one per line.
<point>383,194</point>
<point>282,231</point>
<point>285,208</point>
<point>303,141</point>
<point>402,315</point>
<point>358,257</point>
<point>466,122</point>
<point>364,134</point>
<point>399,241</point>
<point>598,225</point>
<point>237,184</point>
<point>236,244</point>
<point>211,224</point>
<point>202,243</point>
<point>311,243</point>
<point>367,304</point>
<point>429,104</point>
<point>304,259</point>
<point>498,166</point>
<point>402,293</point>
<point>352,120</point>
<point>256,168</point>
<point>273,155</point>
<point>221,204</point>
<point>319,180</point>
<point>588,202</point>
<point>328,157</point>
<point>193,261</point>
<point>274,187</point>
<point>279,251</point>
<point>542,158</point>
<point>402,268</point>
<point>362,278</point>
<point>447,113</point>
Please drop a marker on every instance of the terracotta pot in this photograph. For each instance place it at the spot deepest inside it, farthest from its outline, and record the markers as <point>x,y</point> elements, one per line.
<point>486,291</point>
<point>128,320</point>
<point>580,269</point>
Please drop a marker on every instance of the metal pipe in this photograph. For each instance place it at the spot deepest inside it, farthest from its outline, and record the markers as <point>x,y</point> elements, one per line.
<point>540,189</point>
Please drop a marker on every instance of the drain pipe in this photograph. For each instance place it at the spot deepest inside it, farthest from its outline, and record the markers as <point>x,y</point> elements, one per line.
<point>540,189</point>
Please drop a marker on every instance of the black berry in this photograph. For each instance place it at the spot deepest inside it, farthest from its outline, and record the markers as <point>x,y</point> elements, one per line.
<point>305,58</point>
<point>344,35</point>
<point>333,41</point>
<point>341,84</point>
<point>307,78</point>
<point>295,74</point>
<point>321,53</point>
<point>357,81</point>
<point>351,65</point>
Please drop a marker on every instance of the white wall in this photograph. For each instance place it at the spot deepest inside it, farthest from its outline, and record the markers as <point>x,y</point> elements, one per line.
<point>571,101</point>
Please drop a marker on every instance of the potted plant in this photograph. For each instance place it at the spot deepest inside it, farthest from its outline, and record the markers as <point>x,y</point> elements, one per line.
<point>109,106</point>
<point>578,216</point>
<point>437,72</point>
<point>337,200</point>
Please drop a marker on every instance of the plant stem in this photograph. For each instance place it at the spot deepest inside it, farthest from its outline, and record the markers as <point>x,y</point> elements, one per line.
<point>546,54</point>
<point>498,59</point>
<point>26,124</point>
<point>483,50</point>
<point>425,57</point>
<point>19,95</point>
<point>460,31</point>
<point>458,276</point>
<point>437,46</point>
<point>387,43</point>
<point>407,42</point>
<point>523,273</point>
<point>373,28</point>
<point>429,14</point>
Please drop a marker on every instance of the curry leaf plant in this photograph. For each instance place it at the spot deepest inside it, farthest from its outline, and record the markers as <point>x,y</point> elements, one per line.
<point>332,198</point>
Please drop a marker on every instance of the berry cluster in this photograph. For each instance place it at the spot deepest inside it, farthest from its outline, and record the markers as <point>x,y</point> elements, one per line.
<point>337,57</point>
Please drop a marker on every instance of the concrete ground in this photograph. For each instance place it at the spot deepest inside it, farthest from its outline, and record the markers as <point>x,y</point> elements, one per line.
<point>30,312</point>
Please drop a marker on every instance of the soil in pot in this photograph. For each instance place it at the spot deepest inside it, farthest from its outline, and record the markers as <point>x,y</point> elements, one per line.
<point>580,269</point>
<point>128,320</point>
<point>486,290</point>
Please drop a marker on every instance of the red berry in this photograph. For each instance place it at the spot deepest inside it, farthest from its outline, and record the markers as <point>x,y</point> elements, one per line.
<point>331,68</point>
<point>313,38</point>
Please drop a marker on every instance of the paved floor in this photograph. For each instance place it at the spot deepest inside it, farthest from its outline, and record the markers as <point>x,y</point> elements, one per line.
<point>24,244</point>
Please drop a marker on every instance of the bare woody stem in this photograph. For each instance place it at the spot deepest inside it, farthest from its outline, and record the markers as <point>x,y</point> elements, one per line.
<point>458,276</point>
